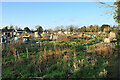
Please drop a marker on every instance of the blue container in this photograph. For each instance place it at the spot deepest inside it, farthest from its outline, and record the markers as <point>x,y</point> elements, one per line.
<point>39,36</point>
<point>39,41</point>
<point>16,38</point>
<point>92,36</point>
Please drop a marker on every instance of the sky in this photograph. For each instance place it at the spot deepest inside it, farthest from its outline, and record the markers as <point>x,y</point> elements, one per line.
<point>52,14</point>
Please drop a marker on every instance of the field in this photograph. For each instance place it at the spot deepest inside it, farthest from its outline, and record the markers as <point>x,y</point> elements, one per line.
<point>79,58</point>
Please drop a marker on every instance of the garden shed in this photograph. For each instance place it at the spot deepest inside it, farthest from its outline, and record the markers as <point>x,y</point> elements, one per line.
<point>60,33</point>
<point>8,32</point>
<point>19,32</point>
<point>43,33</point>
<point>107,40</point>
<point>112,35</point>
<point>25,38</point>
<point>36,34</point>
<point>55,37</point>
<point>66,32</point>
<point>51,36</point>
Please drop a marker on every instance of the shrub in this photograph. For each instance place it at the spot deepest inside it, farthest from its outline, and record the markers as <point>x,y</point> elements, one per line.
<point>80,48</point>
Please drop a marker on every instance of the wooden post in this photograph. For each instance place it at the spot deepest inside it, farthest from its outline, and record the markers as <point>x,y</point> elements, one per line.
<point>19,57</point>
<point>15,54</point>
<point>27,52</point>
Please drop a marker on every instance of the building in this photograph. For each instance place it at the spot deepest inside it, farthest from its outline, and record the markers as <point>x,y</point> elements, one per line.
<point>25,38</point>
<point>8,32</point>
<point>19,32</point>
<point>60,33</point>
<point>36,34</point>
<point>66,32</point>
<point>112,35</point>
<point>107,40</point>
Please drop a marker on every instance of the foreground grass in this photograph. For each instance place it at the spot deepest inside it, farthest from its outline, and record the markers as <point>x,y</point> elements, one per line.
<point>58,60</point>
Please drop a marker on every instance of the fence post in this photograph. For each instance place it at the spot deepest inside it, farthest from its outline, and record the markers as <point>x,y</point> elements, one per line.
<point>27,52</point>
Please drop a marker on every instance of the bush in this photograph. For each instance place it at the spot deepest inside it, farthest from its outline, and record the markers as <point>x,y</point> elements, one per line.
<point>52,68</point>
<point>79,48</point>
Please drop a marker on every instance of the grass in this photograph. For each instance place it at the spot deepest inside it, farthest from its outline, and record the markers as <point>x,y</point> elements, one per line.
<point>61,59</point>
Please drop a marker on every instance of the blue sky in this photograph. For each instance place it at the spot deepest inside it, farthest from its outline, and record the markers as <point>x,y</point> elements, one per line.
<point>52,14</point>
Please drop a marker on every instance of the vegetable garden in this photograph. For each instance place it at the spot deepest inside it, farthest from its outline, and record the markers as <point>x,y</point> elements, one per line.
<point>51,60</point>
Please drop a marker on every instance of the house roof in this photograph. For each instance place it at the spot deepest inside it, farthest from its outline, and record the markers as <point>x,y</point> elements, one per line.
<point>20,30</point>
<point>11,30</point>
<point>25,36</point>
<point>4,30</point>
<point>8,30</point>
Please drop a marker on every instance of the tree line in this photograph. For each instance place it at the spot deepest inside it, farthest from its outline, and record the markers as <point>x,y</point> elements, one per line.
<point>27,29</point>
<point>70,28</point>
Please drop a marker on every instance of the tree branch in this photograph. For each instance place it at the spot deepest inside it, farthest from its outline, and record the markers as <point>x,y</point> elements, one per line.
<point>107,5</point>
